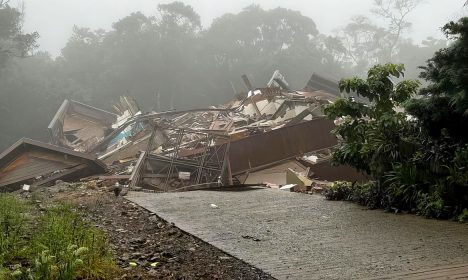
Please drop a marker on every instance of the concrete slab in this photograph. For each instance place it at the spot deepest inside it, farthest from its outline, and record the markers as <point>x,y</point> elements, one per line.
<point>299,236</point>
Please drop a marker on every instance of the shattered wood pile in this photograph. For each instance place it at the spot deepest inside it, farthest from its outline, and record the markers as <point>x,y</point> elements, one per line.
<point>272,136</point>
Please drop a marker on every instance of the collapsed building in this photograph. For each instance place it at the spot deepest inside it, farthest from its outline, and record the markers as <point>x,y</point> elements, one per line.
<point>272,135</point>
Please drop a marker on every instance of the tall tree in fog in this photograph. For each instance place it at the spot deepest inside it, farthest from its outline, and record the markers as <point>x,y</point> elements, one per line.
<point>442,108</point>
<point>257,42</point>
<point>27,83</point>
<point>179,26</point>
<point>395,12</point>
<point>366,43</point>
<point>13,41</point>
<point>140,56</point>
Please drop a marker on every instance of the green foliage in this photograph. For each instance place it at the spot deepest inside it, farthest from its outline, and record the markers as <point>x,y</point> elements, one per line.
<point>13,42</point>
<point>339,190</point>
<point>463,217</point>
<point>373,133</point>
<point>71,245</point>
<point>419,161</point>
<point>443,106</point>
<point>458,171</point>
<point>363,194</point>
<point>61,246</point>
<point>12,227</point>
<point>431,205</point>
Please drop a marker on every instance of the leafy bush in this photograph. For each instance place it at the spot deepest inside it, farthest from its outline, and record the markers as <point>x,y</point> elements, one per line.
<point>71,246</point>
<point>412,170</point>
<point>463,217</point>
<point>430,205</point>
<point>339,190</point>
<point>363,194</point>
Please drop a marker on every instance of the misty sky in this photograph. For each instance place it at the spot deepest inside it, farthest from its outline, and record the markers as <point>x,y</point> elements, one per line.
<point>54,19</point>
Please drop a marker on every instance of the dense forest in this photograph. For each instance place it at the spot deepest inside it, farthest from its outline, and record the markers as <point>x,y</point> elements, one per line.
<point>170,55</point>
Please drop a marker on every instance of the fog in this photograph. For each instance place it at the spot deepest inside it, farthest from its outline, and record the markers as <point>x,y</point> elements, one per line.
<point>191,54</point>
<point>54,19</point>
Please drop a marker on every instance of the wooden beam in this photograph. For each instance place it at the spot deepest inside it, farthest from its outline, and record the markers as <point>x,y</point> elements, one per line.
<point>136,174</point>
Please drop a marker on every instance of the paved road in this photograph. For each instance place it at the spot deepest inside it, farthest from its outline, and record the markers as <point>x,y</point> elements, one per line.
<point>299,236</point>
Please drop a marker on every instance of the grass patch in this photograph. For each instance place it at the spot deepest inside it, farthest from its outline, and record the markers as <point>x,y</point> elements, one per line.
<point>56,243</point>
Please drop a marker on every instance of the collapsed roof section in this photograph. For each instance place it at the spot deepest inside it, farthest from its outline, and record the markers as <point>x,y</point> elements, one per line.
<point>320,83</point>
<point>79,126</point>
<point>37,163</point>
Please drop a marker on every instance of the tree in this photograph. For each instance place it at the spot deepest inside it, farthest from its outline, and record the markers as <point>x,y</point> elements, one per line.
<point>367,43</point>
<point>443,105</point>
<point>419,159</point>
<point>364,43</point>
<point>13,42</point>
<point>372,134</point>
<point>414,55</point>
<point>257,42</point>
<point>395,13</point>
<point>411,171</point>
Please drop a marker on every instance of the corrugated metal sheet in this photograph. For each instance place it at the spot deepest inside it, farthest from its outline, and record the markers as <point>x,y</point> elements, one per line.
<point>280,144</point>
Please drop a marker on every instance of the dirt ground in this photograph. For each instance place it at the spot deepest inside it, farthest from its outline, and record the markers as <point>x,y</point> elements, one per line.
<point>147,247</point>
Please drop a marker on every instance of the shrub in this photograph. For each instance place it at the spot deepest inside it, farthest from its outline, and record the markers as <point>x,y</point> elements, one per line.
<point>463,217</point>
<point>339,190</point>
<point>71,246</point>
<point>364,194</point>
<point>61,246</point>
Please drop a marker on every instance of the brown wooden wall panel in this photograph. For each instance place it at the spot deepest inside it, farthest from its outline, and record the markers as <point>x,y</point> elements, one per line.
<point>325,171</point>
<point>30,169</point>
<point>280,144</point>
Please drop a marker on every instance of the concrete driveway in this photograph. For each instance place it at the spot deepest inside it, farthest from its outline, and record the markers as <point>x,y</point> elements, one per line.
<point>299,236</point>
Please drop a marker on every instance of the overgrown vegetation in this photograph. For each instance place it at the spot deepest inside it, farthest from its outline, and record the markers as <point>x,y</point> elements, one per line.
<point>55,243</point>
<point>418,157</point>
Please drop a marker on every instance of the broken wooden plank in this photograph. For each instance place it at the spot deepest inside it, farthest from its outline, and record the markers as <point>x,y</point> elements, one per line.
<point>136,174</point>
<point>29,159</point>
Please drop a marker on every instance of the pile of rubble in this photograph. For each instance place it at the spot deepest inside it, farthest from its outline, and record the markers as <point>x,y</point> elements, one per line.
<point>272,136</point>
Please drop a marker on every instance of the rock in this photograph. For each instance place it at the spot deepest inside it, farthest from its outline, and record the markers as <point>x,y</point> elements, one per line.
<point>153,258</point>
<point>317,189</point>
<point>289,188</point>
<point>167,254</point>
<point>137,240</point>
<point>124,257</point>
<point>250,237</point>
<point>214,206</point>
<point>124,192</point>
<point>136,255</point>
